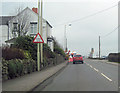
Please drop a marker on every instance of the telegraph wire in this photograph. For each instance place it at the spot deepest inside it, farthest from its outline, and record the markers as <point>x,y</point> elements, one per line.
<point>88,16</point>
<point>115,29</point>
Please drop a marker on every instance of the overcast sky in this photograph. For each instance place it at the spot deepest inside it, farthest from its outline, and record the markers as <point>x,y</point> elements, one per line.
<point>83,34</point>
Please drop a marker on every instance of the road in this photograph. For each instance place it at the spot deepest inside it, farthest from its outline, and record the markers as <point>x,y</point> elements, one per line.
<point>90,76</point>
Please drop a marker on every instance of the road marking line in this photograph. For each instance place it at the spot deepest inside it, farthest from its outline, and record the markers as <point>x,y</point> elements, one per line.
<point>96,69</point>
<point>106,77</point>
<point>91,66</point>
<point>119,87</point>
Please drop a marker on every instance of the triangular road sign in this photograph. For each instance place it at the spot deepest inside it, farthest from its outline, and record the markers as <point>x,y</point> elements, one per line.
<point>38,39</point>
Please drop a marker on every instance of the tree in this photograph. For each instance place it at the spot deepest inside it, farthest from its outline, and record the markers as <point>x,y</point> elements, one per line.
<point>22,22</point>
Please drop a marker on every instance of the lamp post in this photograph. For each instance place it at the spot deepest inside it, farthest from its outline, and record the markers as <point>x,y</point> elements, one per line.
<point>65,37</point>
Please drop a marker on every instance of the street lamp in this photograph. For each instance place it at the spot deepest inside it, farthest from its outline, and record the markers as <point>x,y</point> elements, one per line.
<point>65,37</point>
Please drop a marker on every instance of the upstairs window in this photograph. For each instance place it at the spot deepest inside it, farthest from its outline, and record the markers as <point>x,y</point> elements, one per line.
<point>33,27</point>
<point>15,27</point>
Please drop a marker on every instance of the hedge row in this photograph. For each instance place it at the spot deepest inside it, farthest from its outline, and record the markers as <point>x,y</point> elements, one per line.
<point>26,43</point>
<point>17,67</point>
<point>114,57</point>
<point>15,53</point>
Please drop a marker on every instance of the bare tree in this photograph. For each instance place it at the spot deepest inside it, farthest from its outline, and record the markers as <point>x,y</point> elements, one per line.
<point>22,22</point>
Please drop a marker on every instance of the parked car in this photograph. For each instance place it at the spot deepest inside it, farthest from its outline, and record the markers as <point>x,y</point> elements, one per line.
<point>78,59</point>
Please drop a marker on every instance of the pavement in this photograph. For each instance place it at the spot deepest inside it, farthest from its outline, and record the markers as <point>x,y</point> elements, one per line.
<point>93,75</point>
<point>29,81</point>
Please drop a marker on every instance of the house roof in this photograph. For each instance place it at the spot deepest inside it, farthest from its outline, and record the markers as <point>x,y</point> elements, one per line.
<point>11,40</point>
<point>4,19</point>
<point>48,24</point>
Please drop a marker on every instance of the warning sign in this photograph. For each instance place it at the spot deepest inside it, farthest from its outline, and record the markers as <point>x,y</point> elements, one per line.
<point>38,39</point>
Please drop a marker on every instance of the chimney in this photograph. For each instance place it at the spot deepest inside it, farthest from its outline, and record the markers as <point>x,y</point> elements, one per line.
<point>35,10</point>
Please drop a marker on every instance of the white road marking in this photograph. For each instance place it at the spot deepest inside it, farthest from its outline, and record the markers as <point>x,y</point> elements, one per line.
<point>101,73</point>
<point>119,86</point>
<point>96,69</point>
<point>91,66</point>
<point>106,77</point>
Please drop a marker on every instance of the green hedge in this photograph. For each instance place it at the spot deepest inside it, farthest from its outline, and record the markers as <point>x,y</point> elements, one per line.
<point>60,51</point>
<point>114,57</point>
<point>26,43</point>
<point>17,67</point>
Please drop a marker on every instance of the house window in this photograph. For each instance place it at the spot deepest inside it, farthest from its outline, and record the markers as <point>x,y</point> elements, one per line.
<point>33,27</point>
<point>15,27</point>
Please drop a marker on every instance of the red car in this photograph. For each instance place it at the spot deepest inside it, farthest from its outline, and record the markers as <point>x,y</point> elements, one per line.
<point>77,59</point>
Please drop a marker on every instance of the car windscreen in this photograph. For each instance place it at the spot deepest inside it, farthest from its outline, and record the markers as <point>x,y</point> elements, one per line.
<point>77,56</point>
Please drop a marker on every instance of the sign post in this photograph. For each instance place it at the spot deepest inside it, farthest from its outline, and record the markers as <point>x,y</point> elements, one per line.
<point>38,39</point>
<point>41,12</point>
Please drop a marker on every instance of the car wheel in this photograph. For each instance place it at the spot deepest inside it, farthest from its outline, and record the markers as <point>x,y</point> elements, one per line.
<point>73,62</point>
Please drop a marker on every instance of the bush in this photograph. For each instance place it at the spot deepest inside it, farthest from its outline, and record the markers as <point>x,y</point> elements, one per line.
<point>12,53</point>
<point>4,69</point>
<point>47,51</point>
<point>114,57</point>
<point>12,69</point>
<point>26,43</point>
<point>17,67</point>
<point>27,54</point>
<point>59,51</point>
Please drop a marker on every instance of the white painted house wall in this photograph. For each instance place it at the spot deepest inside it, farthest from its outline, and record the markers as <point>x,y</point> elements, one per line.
<point>3,34</point>
<point>32,18</point>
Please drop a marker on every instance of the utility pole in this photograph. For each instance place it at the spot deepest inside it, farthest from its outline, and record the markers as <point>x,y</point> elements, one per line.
<point>99,47</point>
<point>65,39</point>
<point>41,33</point>
<point>38,44</point>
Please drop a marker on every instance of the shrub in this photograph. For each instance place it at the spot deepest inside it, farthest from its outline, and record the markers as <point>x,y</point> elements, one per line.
<point>17,67</point>
<point>113,57</point>
<point>4,69</point>
<point>11,69</point>
<point>47,51</point>
<point>27,54</point>
<point>59,51</point>
<point>26,43</point>
<point>12,53</point>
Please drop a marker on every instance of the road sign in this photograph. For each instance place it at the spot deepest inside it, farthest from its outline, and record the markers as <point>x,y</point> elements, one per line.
<point>38,39</point>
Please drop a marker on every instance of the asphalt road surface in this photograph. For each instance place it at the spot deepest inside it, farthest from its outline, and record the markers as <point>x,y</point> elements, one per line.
<point>90,76</point>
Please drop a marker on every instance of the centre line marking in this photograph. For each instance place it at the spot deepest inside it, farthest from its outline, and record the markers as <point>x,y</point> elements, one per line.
<point>106,77</point>
<point>91,66</point>
<point>96,69</point>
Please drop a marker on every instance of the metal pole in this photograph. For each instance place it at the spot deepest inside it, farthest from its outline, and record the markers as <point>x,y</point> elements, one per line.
<point>41,34</point>
<point>38,45</point>
<point>99,47</point>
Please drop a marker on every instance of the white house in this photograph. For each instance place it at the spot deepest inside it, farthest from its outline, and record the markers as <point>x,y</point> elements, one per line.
<point>26,21</point>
